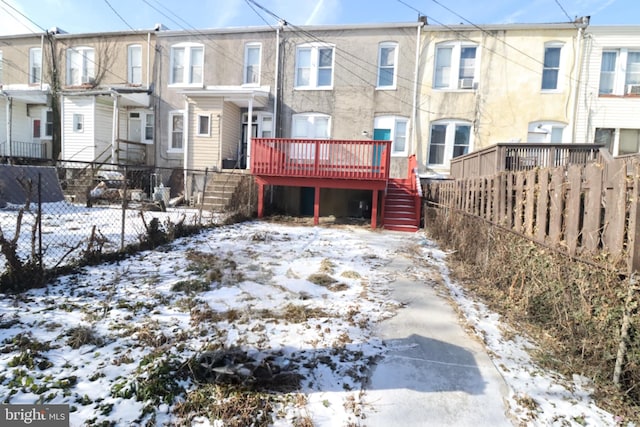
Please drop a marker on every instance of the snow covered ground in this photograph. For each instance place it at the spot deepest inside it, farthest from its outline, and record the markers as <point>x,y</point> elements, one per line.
<point>129,342</point>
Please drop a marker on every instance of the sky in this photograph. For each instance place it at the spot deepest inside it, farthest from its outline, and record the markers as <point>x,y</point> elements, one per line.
<point>86,16</point>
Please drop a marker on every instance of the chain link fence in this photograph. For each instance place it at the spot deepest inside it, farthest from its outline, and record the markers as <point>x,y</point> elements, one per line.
<point>78,212</point>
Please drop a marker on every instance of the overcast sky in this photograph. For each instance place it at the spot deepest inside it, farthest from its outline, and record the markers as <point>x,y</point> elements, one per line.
<point>82,16</point>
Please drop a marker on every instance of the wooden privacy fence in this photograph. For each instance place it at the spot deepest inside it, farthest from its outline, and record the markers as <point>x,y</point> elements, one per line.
<point>588,211</point>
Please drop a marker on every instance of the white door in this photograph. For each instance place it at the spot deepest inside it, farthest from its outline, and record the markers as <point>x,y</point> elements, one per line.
<point>135,128</point>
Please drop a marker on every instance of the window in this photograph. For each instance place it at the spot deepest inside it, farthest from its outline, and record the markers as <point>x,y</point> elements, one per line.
<point>35,65</point>
<point>448,139</point>
<point>0,67</point>
<point>134,72</point>
<point>629,142</point>
<point>387,58</point>
<point>80,66</point>
<point>314,66</point>
<point>392,128</point>
<point>551,67</point>
<point>187,62</point>
<point>176,130</point>
<point>78,123</point>
<point>455,66</point>
<point>620,72</point>
<point>605,137</point>
<point>204,125</point>
<point>551,132</point>
<point>309,126</point>
<point>252,63</point>
<point>608,72</point>
<point>148,127</point>
<point>48,124</point>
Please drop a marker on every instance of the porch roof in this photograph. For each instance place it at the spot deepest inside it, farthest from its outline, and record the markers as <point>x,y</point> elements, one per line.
<point>239,95</point>
<point>129,96</point>
<point>26,94</point>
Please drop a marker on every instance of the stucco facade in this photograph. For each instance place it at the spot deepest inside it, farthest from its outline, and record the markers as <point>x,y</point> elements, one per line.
<point>501,83</point>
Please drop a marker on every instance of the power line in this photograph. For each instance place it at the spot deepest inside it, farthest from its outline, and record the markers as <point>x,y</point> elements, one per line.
<point>24,16</point>
<point>118,15</point>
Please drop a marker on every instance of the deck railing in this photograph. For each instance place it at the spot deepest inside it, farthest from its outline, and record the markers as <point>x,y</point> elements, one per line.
<point>521,156</point>
<point>321,158</point>
<point>27,149</point>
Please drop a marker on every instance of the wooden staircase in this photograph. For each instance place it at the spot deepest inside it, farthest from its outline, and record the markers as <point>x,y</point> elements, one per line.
<point>402,202</point>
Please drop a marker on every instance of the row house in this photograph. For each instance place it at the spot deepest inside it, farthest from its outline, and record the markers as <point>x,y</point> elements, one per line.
<point>78,97</point>
<point>608,110</point>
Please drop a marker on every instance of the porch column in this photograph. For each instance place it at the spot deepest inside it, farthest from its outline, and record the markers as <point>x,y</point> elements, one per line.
<point>260,199</point>
<point>316,206</point>
<point>9,106</point>
<point>249,132</point>
<point>114,130</point>
<point>374,210</point>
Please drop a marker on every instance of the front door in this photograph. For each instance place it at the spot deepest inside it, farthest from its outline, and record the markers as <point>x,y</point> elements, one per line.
<point>242,155</point>
<point>135,128</point>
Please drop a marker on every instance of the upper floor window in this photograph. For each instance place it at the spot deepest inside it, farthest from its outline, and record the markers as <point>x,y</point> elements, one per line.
<point>35,65</point>
<point>387,59</point>
<point>620,72</point>
<point>314,66</point>
<point>552,132</point>
<point>394,129</point>
<point>134,69</point>
<point>187,62</point>
<point>251,73</point>
<point>448,139</point>
<point>551,66</point>
<point>455,66</point>
<point>80,65</point>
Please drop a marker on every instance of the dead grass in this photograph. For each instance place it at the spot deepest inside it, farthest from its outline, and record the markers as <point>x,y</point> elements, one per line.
<point>325,280</point>
<point>82,335</point>
<point>572,309</point>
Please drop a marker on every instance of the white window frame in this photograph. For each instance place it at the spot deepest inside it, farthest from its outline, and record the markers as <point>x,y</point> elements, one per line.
<point>454,82</point>
<point>305,150</point>
<point>45,123</point>
<point>546,131</point>
<point>78,123</point>
<point>148,122</point>
<point>314,67</point>
<point>199,125</point>
<point>87,70</point>
<point>449,143</point>
<point>256,68</point>
<point>621,86</point>
<point>134,63</point>
<point>172,114</point>
<point>188,66</point>
<point>35,65</point>
<point>394,123</point>
<point>394,66</point>
<point>558,69</point>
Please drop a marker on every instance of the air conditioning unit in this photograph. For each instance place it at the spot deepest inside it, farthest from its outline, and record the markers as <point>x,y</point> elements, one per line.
<point>633,89</point>
<point>465,84</point>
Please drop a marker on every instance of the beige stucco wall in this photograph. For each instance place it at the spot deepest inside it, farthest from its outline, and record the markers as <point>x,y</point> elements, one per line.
<point>509,78</point>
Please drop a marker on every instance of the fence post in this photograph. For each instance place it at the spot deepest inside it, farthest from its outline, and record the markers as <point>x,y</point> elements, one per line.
<point>124,209</point>
<point>204,189</point>
<point>40,224</point>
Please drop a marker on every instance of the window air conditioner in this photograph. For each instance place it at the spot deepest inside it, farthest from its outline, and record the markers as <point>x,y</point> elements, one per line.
<point>465,83</point>
<point>633,89</point>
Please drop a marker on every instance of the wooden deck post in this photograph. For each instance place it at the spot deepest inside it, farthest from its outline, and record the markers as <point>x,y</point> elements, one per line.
<point>374,210</point>
<point>316,206</point>
<point>260,199</point>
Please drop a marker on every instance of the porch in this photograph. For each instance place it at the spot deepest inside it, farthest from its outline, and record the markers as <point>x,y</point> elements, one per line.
<point>319,163</point>
<point>521,156</point>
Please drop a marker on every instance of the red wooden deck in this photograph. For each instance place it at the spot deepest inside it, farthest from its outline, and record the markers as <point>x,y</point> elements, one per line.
<point>321,163</point>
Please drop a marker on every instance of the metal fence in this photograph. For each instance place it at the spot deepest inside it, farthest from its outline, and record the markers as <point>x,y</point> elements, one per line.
<point>62,215</point>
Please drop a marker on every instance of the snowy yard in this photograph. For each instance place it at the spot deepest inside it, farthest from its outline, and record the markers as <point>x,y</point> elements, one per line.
<point>175,335</point>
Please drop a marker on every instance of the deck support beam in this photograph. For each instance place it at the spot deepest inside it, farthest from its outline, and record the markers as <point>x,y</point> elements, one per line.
<point>316,205</point>
<point>374,210</point>
<point>260,198</point>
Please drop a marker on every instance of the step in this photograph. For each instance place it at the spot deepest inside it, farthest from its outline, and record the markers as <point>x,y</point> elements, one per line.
<point>406,228</point>
<point>400,220</point>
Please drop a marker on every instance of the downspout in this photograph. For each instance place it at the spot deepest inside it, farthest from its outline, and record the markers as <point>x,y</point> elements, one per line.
<point>249,133</point>
<point>10,125</point>
<point>114,130</point>
<point>581,58</point>
<point>185,148</point>
<point>414,107</point>
<point>148,59</point>
<point>41,59</point>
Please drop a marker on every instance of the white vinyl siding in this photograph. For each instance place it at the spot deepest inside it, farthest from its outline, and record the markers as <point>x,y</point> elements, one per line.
<point>231,131</point>
<point>82,146</point>
<point>204,148</point>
